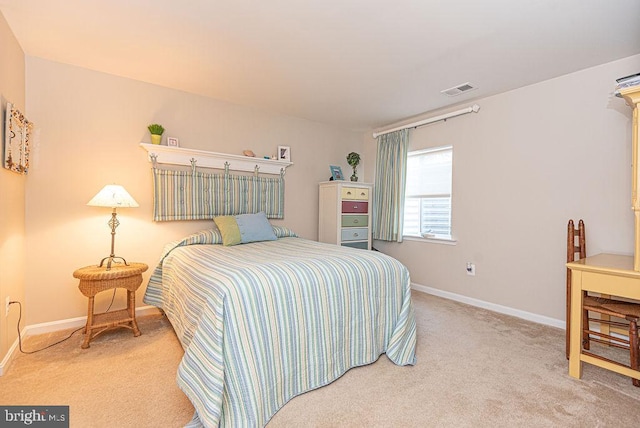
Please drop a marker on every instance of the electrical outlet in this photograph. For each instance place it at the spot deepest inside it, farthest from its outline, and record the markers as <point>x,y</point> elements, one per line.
<point>471,269</point>
<point>7,303</point>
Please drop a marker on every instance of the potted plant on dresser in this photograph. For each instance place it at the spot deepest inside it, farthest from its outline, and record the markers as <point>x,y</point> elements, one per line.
<point>353,159</point>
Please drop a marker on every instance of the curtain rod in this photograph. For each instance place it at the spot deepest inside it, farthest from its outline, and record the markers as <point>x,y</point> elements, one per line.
<point>471,109</point>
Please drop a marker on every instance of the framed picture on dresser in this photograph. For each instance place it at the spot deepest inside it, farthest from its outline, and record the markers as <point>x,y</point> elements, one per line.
<point>336,172</point>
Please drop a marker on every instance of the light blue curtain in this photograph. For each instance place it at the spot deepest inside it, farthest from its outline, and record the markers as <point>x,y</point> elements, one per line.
<point>388,195</point>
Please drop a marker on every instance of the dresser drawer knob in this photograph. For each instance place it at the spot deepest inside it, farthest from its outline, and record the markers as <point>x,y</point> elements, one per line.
<point>355,234</point>
<point>355,221</point>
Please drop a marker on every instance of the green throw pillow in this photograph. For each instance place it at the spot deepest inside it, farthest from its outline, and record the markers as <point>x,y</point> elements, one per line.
<point>228,229</point>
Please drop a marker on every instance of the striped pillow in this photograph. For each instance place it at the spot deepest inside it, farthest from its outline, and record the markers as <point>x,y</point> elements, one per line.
<point>283,232</point>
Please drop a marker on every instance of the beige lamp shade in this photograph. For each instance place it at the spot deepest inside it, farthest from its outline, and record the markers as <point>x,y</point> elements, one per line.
<point>113,196</point>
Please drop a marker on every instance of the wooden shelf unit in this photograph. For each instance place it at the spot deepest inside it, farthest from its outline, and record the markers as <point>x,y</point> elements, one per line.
<point>632,96</point>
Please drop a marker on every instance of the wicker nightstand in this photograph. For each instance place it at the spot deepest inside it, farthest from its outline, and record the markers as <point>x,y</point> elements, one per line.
<point>94,279</point>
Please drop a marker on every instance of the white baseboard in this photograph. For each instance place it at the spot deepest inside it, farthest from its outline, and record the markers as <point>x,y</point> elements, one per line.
<point>540,319</point>
<point>10,355</point>
<point>48,327</point>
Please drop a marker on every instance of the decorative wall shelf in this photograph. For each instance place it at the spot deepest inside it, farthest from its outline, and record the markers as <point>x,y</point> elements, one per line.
<point>204,159</point>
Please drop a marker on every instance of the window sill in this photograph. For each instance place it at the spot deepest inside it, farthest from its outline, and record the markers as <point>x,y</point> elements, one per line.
<point>437,239</point>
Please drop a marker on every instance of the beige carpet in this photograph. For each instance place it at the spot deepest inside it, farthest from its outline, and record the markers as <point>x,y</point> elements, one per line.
<point>475,369</point>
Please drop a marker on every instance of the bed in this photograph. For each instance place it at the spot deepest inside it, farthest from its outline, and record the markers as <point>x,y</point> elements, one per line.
<point>263,322</point>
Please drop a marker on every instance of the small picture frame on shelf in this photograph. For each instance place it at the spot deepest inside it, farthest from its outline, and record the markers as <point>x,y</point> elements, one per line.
<point>336,172</point>
<point>284,153</point>
<point>173,142</point>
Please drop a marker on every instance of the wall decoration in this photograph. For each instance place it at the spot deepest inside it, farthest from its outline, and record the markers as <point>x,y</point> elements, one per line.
<point>173,142</point>
<point>194,195</point>
<point>284,153</point>
<point>16,141</point>
<point>336,172</point>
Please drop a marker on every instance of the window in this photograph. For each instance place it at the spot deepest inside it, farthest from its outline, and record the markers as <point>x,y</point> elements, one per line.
<point>427,206</point>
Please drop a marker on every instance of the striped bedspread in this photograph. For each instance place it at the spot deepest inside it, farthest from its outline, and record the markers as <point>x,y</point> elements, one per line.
<point>263,322</point>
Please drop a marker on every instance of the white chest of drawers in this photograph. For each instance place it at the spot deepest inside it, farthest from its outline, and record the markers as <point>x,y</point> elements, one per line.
<point>345,213</point>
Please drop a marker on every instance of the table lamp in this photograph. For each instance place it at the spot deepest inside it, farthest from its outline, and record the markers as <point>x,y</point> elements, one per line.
<point>113,196</point>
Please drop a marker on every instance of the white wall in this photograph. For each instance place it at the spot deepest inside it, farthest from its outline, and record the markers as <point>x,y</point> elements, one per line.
<point>527,162</point>
<point>12,192</point>
<point>88,129</point>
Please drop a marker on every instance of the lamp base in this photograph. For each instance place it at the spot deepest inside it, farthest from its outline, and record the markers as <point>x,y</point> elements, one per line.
<point>112,259</point>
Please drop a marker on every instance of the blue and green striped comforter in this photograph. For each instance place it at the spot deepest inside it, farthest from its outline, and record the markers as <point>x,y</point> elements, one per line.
<point>263,322</point>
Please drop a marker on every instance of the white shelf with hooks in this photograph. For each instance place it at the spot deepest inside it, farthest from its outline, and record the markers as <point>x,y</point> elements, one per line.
<point>205,159</point>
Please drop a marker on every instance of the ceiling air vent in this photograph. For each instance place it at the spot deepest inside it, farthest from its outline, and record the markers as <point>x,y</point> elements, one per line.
<point>459,89</point>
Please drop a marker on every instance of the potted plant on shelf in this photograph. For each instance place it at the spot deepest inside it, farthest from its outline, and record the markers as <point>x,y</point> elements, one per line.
<point>353,159</point>
<point>156,133</point>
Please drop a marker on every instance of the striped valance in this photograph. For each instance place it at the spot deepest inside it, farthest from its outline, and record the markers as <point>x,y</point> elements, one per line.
<point>194,195</point>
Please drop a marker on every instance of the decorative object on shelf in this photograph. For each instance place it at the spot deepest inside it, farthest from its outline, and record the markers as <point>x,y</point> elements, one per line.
<point>284,153</point>
<point>16,141</point>
<point>336,172</point>
<point>173,142</point>
<point>156,133</point>
<point>113,196</point>
<point>627,82</point>
<point>249,153</point>
<point>353,159</point>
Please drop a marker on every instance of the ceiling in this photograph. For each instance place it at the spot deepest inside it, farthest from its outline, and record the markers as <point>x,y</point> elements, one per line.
<point>358,64</point>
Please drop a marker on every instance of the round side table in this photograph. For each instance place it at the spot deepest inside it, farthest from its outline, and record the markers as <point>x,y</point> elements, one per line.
<point>93,280</point>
